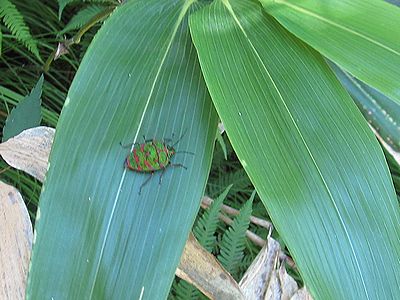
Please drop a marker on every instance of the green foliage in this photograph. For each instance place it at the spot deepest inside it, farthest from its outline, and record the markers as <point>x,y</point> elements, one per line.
<point>9,98</point>
<point>63,3</point>
<point>82,17</point>
<point>183,290</point>
<point>381,112</point>
<point>14,21</point>
<point>221,142</point>
<point>206,225</point>
<point>26,114</point>
<point>18,73</point>
<point>228,171</point>
<point>238,178</point>
<point>234,240</point>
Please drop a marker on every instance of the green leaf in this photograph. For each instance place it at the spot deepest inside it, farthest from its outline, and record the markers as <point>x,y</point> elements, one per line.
<point>238,179</point>
<point>221,142</point>
<point>96,237</point>
<point>380,111</point>
<point>234,239</point>
<point>361,36</point>
<point>396,181</point>
<point>207,225</point>
<point>307,149</point>
<point>82,17</point>
<point>26,114</point>
<point>10,97</point>
<point>185,291</point>
<point>63,3</point>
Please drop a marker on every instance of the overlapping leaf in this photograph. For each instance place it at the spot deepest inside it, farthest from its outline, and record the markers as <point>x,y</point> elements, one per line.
<point>361,36</point>
<point>307,149</point>
<point>96,237</point>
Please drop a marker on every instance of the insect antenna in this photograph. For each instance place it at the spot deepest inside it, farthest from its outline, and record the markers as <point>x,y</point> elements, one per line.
<point>187,152</point>
<point>179,139</point>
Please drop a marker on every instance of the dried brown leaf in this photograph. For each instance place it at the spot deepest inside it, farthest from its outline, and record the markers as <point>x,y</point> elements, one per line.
<point>29,151</point>
<point>201,268</point>
<point>15,243</point>
<point>301,294</point>
<point>255,281</point>
<point>288,285</point>
<point>267,279</point>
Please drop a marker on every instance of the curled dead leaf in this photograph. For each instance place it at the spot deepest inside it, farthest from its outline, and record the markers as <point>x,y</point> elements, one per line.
<point>29,151</point>
<point>266,278</point>
<point>255,280</point>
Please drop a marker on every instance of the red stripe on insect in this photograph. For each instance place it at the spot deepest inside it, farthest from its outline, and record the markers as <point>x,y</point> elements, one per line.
<point>148,165</point>
<point>138,167</point>
<point>142,147</point>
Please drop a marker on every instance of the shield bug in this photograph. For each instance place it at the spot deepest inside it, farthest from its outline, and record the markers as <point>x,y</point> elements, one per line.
<point>152,156</point>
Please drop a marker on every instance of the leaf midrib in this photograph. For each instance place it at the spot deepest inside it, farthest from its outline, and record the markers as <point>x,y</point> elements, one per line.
<point>231,11</point>
<point>182,14</point>
<point>335,24</point>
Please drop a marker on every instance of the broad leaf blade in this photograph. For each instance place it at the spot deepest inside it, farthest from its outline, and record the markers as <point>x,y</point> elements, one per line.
<point>362,37</point>
<point>26,114</point>
<point>96,237</point>
<point>307,149</point>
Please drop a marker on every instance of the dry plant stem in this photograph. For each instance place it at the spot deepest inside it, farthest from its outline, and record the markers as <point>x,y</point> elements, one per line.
<point>207,201</point>
<point>290,262</point>
<point>77,37</point>
<point>5,169</point>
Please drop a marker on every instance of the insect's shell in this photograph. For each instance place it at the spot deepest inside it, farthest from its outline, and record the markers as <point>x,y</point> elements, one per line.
<point>149,157</point>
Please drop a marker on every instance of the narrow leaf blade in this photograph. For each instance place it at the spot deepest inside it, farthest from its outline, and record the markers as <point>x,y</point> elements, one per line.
<point>346,33</point>
<point>381,112</point>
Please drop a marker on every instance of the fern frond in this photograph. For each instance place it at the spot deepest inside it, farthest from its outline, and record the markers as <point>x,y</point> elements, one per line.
<point>63,3</point>
<point>14,21</point>
<point>185,291</point>
<point>238,178</point>
<point>234,239</point>
<point>82,17</point>
<point>206,226</point>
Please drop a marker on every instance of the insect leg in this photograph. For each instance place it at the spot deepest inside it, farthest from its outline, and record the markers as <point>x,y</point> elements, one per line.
<point>145,182</point>
<point>178,165</point>
<point>127,145</point>
<point>148,140</point>
<point>169,140</point>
